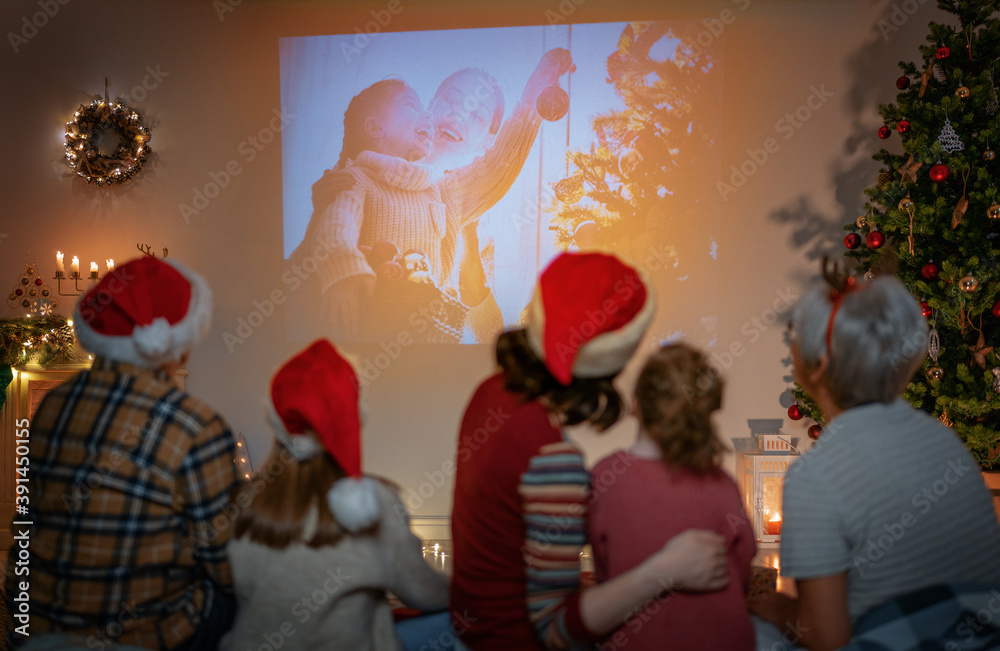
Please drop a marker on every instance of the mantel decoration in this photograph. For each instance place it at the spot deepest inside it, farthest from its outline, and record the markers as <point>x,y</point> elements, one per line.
<point>42,339</point>
<point>83,136</point>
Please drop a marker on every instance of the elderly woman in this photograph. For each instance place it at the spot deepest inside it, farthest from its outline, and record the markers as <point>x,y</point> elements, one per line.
<point>888,501</point>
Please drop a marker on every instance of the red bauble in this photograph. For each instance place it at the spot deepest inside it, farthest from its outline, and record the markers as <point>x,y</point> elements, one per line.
<point>815,431</point>
<point>552,103</point>
<point>38,281</point>
<point>903,126</point>
<point>875,239</point>
<point>930,271</point>
<point>884,132</point>
<point>903,83</point>
<point>925,309</point>
<point>852,240</point>
<point>996,309</point>
<point>942,53</point>
<point>794,412</point>
<point>19,291</point>
<point>939,172</point>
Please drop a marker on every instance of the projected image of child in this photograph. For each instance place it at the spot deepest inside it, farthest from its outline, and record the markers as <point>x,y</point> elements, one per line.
<point>393,205</point>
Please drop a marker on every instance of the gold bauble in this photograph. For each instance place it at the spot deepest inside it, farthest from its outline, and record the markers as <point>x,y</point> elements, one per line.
<point>968,284</point>
<point>862,221</point>
<point>905,203</point>
<point>989,155</point>
<point>962,91</point>
<point>869,275</point>
<point>994,211</point>
<point>935,372</point>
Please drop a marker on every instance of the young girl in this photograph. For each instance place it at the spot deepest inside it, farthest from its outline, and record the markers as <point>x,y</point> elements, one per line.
<point>317,545</point>
<point>667,482</point>
<point>521,489</point>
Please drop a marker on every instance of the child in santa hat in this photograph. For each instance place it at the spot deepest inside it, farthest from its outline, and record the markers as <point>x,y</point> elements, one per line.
<point>317,544</point>
<point>521,488</point>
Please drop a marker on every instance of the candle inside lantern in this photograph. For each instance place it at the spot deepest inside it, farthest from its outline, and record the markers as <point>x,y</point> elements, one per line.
<point>60,267</point>
<point>75,266</point>
<point>111,264</point>
<point>773,526</point>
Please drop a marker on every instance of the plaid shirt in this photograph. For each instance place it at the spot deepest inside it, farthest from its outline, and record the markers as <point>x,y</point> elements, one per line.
<point>129,477</point>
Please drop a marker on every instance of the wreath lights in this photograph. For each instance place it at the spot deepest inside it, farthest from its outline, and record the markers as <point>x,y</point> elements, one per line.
<point>83,134</point>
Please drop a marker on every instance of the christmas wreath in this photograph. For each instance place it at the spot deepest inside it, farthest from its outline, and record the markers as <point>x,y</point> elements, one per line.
<point>85,132</point>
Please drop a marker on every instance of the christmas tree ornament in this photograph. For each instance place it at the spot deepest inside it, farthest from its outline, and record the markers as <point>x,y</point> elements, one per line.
<point>884,132</point>
<point>930,271</point>
<point>979,351</point>
<point>814,431</point>
<point>939,172</point>
<point>933,344</point>
<point>935,373</point>
<point>869,275</point>
<point>996,379</point>
<point>996,309</point>
<point>962,206</point>
<point>570,190</point>
<point>552,103</point>
<point>852,241</point>
<point>942,53</point>
<point>862,221</point>
<point>903,127</point>
<point>994,104</point>
<point>993,212</point>
<point>875,239</point>
<point>989,155</point>
<point>795,412</point>
<point>925,309</point>
<point>944,415</point>
<point>903,83</point>
<point>968,284</point>
<point>884,178</point>
<point>629,162</point>
<point>909,171</point>
<point>949,140</point>
<point>925,77</point>
<point>905,203</point>
<point>963,92</point>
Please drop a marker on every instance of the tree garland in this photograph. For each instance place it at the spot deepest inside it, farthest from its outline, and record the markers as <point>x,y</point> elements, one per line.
<point>45,339</point>
<point>84,132</point>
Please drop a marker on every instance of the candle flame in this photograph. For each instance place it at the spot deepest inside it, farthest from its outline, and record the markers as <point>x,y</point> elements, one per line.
<point>775,518</point>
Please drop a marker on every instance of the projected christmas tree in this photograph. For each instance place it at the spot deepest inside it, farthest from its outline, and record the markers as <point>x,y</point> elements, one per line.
<point>644,177</point>
<point>936,208</point>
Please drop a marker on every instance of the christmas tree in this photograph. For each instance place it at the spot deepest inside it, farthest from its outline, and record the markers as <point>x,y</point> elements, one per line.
<point>648,172</point>
<point>934,216</point>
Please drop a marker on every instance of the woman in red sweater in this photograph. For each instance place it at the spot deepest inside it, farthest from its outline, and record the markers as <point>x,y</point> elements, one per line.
<point>670,481</point>
<point>521,488</point>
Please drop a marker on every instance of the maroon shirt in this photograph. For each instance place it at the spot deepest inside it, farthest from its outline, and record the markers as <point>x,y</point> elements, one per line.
<point>637,505</point>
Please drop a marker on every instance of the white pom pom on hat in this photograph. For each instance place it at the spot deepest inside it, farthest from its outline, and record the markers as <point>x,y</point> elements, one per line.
<point>588,315</point>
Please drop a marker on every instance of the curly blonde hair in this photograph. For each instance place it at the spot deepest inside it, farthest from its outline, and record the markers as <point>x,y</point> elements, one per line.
<point>676,394</point>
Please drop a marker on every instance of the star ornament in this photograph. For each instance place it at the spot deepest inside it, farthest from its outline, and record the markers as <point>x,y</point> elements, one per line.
<point>980,351</point>
<point>909,171</point>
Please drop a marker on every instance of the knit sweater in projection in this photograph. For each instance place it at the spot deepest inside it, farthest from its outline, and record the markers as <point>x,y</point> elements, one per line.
<point>395,200</point>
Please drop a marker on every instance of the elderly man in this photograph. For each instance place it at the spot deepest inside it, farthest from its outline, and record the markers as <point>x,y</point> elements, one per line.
<point>866,519</point>
<point>127,474</point>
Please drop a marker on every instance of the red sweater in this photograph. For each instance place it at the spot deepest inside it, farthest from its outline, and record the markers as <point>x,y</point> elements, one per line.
<point>637,505</point>
<point>518,524</point>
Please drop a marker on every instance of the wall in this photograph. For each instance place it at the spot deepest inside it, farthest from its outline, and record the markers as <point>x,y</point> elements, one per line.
<point>205,77</point>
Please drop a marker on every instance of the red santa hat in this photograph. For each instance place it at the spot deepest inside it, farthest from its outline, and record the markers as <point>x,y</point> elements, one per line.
<point>146,312</point>
<point>588,315</point>
<point>316,408</point>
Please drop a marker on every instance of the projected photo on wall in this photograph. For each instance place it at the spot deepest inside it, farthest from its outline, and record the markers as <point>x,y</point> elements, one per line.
<point>429,176</point>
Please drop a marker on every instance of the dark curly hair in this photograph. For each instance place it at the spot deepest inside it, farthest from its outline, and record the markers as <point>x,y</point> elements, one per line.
<point>368,102</point>
<point>676,394</point>
<point>590,400</point>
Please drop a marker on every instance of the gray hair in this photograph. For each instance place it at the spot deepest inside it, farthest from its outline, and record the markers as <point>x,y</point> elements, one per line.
<point>879,340</point>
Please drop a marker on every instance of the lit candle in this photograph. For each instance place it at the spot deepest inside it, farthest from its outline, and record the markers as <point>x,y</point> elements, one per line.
<point>75,266</point>
<point>93,270</point>
<point>773,526</point>
<point>111,265</point>
<point>60,267</point>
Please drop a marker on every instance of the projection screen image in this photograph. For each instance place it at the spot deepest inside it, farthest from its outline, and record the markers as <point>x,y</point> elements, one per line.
<point>428,177</point>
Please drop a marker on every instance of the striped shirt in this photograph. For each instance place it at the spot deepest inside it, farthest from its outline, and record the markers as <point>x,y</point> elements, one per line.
<point>892,498</point>
<point>518,525</point>
<point>129,477</point>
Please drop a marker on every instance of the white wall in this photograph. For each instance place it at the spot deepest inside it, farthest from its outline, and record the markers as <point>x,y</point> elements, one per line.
<point>217,85</point>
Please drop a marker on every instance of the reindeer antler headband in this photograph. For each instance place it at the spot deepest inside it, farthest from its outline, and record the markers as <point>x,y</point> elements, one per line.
<point>841,284</point>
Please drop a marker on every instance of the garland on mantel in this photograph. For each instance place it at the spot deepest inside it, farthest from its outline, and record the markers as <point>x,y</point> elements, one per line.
<point>42,339</point>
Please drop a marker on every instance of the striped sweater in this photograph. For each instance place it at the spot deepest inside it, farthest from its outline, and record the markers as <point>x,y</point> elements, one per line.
<point>518,525</point>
